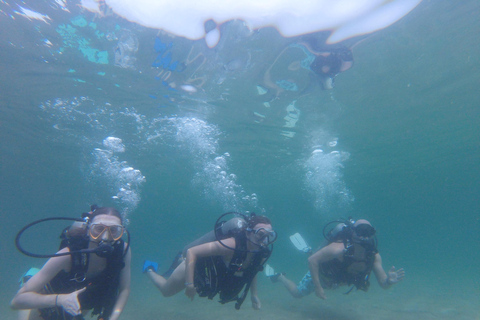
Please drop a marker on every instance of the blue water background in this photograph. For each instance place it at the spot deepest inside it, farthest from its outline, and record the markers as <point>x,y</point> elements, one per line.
<point>404,121</point>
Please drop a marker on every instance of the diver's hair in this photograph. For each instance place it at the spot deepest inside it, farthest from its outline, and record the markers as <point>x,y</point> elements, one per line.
<point>106,210</point>
<point>77,231</point>
<point>254,220</point>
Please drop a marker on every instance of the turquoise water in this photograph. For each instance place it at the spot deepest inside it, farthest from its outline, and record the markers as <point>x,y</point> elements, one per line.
<point>399,135</point>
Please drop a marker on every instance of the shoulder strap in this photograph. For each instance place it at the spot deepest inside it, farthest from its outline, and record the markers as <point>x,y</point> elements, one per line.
<point>361,281</point>
<point>240,253</point>
<point>115,264</point>
<point>79,260</point>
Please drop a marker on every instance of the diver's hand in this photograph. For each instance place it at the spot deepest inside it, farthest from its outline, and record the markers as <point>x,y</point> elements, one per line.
<point>69,302</point>
<point>320,293</point>
<point>256,304</point>
<point>395,276</point>
<point>190,291</point>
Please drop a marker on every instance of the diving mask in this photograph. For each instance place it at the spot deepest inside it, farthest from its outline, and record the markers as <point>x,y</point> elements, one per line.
<point>96,230</point>
<point>264,236</point>
<point>364,230</point>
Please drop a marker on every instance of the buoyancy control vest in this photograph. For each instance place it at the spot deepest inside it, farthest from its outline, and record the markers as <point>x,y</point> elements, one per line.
<point>213,277</point>
<point>355,268</point>
<point>102,289</point>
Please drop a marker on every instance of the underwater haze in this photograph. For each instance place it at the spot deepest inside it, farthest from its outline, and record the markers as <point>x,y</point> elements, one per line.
<point>174,132</point>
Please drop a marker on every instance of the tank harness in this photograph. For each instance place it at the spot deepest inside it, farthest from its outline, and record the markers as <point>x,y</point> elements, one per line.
<point>102,289</point>
<point>213,277</point>
<point>343,272</point>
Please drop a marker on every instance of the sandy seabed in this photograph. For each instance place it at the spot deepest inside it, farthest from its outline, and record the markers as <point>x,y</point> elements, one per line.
<point>406,301</point>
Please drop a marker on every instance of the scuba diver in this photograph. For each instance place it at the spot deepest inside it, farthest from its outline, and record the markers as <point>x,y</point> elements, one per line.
<point>348,259</point>
<point>329,61</point>
<point>91,271</point>
<point>327,65</point>
<point>223,262</point>
<point>306,64</point>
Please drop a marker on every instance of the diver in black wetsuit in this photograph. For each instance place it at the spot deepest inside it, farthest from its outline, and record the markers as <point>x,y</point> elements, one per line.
<point>348,259</point>
<point>330,60</point>
<point>223,266</point>
<point>327,65</point>
<point>91,272</point>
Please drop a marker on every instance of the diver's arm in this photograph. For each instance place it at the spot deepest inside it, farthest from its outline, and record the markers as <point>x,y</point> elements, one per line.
<point>314,266</point>
<point>256,304</point>
<point>386,281</point>
<point>29,296</point>
<point>330,252</point>
<point>379,272</point>
<point>124,288</point>
<point>209,249</point>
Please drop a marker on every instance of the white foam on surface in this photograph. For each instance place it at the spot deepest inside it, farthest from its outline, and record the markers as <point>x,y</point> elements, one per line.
<point>347,18</point>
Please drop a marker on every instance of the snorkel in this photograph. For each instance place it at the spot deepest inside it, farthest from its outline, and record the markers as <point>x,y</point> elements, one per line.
<point>76,231</point>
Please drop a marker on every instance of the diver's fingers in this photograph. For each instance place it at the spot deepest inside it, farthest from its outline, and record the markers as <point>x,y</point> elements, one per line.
<point>190,292</point>
<point>77,292</point>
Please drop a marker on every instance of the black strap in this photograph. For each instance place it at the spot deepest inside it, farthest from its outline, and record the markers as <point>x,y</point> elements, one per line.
<point>241,299</point>
<point>257,261</point>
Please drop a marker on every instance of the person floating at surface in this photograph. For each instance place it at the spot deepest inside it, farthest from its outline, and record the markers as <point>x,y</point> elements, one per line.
<point>69,285</point>
<point>348,259</point>
<point>330,60</point>
<point>327,65</point>
<point>223,265</point>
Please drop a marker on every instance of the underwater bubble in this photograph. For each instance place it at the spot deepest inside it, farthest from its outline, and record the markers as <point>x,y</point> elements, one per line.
<point>324,181</point>
<point>221,161</point>
<point>114,144</point>
<point>196,136</point>
<point>333,143</point>
<point>188,88</point>
<point>123,180</point>
<point>199,140</point>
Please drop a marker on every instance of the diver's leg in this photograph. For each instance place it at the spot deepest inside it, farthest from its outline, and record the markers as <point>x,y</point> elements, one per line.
<point>173,285</point>
<point>290,286</point>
